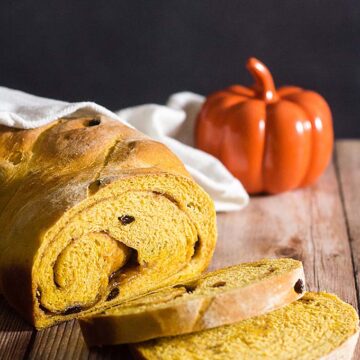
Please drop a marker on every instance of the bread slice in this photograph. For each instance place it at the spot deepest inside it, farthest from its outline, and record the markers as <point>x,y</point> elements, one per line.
<point>217,298</point>
<point>318,326</point>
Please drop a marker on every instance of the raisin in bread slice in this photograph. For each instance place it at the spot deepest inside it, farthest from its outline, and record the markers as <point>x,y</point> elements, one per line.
<point>217,298</point>
<point>317,326</point>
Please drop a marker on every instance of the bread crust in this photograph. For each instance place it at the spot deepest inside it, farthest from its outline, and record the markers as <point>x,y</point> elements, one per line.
<point>196,314</point>
<point>345,351</point>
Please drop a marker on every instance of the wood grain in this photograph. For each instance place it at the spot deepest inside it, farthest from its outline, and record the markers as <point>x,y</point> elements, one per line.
<point>318,225</point>
<point>348,165</point>
<point>15,334</point>
<point>347,161</point>
<point>306,224</point>
<point>64,341</point>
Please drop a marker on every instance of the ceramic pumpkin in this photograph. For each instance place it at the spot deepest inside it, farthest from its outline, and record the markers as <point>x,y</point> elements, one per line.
<point>272,140</point>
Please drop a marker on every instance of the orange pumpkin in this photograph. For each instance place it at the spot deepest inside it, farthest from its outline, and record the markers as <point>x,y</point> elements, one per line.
<point>272,140</point>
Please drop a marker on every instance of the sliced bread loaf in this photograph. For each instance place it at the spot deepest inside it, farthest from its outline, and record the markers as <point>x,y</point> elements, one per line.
<point>217,298</point>
<point>318,326</point>
<point>92,214</point>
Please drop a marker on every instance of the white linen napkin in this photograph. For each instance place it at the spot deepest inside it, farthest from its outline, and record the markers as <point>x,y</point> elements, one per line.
<point>172,125</point>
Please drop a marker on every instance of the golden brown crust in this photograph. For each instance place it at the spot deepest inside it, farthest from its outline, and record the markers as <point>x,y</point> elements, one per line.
<point>194,314</point>
<point>69,143</point>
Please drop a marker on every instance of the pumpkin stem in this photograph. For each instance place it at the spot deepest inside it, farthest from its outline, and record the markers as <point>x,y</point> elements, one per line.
<point>264,83</point>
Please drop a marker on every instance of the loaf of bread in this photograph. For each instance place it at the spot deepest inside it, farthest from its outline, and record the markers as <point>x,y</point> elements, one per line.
<point>318,326</point>
<point>217,298</point>
<point>94,213</point>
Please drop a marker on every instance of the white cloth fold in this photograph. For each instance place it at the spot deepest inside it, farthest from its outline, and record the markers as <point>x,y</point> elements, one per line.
<point>172,125</point>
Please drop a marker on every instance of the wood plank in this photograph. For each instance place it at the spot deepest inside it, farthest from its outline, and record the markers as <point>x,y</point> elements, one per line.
<point>65,341</point>
<point>331,248</point>
<point>306,224</point>
<point>15,334</point>
<point>347,162</point>
<point>348,165</point>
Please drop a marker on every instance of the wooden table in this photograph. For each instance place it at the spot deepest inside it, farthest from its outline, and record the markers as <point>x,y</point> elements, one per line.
<point>319,225</point>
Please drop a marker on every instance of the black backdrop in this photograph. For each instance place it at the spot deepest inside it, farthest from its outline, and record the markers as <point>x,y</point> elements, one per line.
<point>122,53</point>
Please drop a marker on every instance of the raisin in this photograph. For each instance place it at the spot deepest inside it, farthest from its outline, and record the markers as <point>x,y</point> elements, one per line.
<point>113,294</point>
<point>93,122</point>
<point>219,284</point>
<point>126,219</point>
<point>98,182</point>
<point>190,288</point>
<point>299,286</point>
<point>72,310</point>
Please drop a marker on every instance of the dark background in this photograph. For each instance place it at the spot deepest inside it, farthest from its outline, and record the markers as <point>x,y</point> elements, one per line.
<point>123,53</point>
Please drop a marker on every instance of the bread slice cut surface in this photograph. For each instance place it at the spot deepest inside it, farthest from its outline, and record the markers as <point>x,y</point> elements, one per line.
<point>221,297</point>
<point>317,326</point>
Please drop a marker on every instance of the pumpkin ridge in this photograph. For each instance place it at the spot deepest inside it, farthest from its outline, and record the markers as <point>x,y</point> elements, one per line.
<point>296,178</point>
<point>312,138</point>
